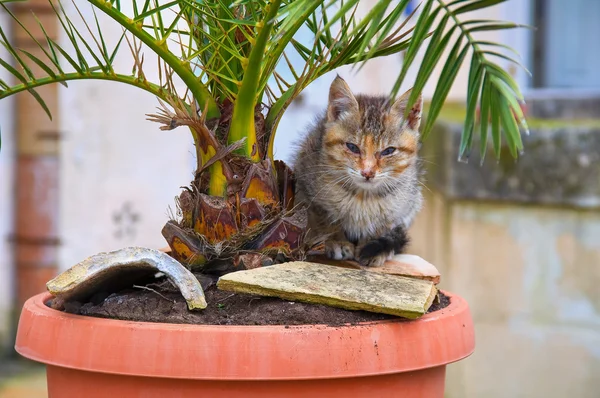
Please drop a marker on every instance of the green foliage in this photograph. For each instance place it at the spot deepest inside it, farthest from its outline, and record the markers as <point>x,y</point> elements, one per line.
<point>242,51</point>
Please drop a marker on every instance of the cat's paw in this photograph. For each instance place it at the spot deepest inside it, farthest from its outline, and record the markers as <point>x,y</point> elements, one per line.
<point>337,250</point>
<point>373,254</point>
<point>376,261</point>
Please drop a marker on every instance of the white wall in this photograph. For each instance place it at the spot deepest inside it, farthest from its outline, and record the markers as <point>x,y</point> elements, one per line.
<point>6,202</point>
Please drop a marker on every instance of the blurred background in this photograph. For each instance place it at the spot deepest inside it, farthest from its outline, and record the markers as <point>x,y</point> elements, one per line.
<point>519,240</point>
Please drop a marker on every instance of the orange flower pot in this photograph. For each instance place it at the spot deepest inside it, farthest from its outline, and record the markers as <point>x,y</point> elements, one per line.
<point>93,357</point>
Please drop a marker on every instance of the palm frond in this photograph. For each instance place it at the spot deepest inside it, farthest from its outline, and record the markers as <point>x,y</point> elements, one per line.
<point>342,38</point>
<point>486,77</point>
<point>88,56</point>
<point>157,39</point>
<point>51,65</point>
<point>442,29</point>
<point>250,52</point>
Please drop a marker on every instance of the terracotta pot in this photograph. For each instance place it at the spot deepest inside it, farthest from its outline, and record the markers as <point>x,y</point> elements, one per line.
<point>93,357</point>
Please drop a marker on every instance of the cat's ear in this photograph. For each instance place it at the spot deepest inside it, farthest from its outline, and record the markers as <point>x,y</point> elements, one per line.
<point>341,101</point>
<point>413,119</point>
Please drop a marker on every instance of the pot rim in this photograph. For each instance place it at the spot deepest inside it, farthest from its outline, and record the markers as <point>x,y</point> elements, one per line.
<point>244,352</point>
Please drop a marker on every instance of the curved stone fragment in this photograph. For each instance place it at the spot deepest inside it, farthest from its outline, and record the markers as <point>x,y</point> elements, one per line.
<point>121,268</point>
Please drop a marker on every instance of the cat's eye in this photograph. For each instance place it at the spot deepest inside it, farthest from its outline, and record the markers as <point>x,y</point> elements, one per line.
<point>353,147</point>
<point>388,151</point>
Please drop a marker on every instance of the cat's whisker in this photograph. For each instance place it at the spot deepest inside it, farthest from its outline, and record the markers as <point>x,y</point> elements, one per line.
<point>353,172</point>
<point>427,159</point>
<point>329,185</point>
<point>424,186</point>
<point>392,188</point>
<point>349,180</point>
<point>325,171</point>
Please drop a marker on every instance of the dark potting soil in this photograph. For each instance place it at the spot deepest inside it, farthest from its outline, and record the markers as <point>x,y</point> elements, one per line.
<point>161,302</point>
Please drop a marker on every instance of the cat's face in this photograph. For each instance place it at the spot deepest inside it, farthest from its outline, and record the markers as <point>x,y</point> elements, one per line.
<point>368,143</point>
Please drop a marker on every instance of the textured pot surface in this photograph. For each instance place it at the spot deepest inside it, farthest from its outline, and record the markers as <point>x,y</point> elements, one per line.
<point>96,357</point>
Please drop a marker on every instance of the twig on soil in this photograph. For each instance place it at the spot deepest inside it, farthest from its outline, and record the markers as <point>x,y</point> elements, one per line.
<point>228,297</point>
<point>152,290</point>
<point>253,299</point>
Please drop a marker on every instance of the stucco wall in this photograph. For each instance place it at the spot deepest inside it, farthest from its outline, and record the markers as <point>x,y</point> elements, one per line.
<point>530,275</point>
<point>520,241</point>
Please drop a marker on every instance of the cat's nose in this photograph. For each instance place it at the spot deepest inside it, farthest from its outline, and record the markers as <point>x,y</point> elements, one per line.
<point>368,174</point>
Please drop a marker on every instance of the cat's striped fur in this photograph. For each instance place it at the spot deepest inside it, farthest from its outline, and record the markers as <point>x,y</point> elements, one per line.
<point>357,170</point>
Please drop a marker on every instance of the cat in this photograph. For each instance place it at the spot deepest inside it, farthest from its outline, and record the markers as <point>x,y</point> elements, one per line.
<point>357,171</point>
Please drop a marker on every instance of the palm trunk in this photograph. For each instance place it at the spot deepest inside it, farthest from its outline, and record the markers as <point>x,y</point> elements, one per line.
<point>235,206</point>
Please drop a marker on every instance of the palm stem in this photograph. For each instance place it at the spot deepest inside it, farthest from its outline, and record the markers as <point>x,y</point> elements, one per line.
<point>242,120</point>
<point>131,80</point>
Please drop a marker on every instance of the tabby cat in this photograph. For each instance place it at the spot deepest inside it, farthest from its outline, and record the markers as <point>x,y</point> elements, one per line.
<point>357,171</point>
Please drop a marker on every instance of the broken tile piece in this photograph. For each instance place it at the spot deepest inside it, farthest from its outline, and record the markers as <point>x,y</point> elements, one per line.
<point>408,265</point>
<point>335,286</point>
<point>121,268</point>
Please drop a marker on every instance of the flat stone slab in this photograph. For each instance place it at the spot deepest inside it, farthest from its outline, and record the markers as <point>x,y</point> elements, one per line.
<point>350,289</point>
<point>408,265</point>
<point>121,268</point>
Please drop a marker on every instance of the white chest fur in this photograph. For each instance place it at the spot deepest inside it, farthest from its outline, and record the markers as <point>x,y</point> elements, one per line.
<point>371,216</point>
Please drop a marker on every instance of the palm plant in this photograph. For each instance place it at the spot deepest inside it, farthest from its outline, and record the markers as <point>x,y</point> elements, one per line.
<point>235,59</point>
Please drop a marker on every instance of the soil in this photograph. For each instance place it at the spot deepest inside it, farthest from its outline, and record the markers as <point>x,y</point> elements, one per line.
<point>161,302</point>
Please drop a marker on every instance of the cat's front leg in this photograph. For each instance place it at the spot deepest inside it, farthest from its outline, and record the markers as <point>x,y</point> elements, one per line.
<point>339,248</point>
<point>375,252</point>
